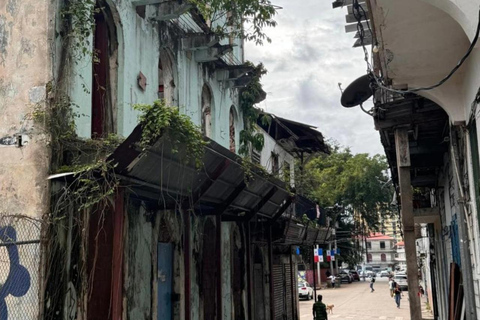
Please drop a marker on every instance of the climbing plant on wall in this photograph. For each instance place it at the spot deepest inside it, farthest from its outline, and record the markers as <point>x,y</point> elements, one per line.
<point>249,96</point>
<point>245,19</point>
<point>158,119</point>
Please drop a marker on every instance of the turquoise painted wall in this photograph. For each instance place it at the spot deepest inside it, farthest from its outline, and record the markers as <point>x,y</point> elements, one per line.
<point>139,51</point>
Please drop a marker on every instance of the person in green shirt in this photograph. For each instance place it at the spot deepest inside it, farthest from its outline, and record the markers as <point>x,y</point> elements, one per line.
<point>319,309</point>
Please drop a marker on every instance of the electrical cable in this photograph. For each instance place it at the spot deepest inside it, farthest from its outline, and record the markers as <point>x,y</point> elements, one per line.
<point>358,15</point>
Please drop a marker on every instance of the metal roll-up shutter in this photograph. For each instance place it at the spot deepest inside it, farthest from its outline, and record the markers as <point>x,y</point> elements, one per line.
<point>288,292</point>
<point>278,273</point>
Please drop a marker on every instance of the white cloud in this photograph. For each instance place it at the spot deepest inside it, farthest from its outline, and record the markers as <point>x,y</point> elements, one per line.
<point>310,54</point>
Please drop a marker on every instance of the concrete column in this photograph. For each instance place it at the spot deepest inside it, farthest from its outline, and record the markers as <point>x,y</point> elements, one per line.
<point>406,196</point>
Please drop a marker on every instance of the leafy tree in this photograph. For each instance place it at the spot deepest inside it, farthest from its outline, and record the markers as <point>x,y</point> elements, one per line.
<point>228,18</point>
<point>357,183</point>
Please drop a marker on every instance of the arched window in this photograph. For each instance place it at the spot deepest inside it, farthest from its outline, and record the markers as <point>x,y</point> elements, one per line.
<point>166,78</point>
<point>232,123</point>
<point>207,111</point>
<point>369,257</point>
<point>104,77</point>
<point>383,257</point>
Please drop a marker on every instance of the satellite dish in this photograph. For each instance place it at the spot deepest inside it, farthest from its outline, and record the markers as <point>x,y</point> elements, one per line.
<point>357,92</point>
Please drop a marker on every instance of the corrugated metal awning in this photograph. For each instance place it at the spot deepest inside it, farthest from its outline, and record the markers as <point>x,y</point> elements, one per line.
<point>161,174</point>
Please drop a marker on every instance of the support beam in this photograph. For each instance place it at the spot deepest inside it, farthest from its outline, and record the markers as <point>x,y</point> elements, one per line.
<point>406,196</point>
<point>342,3</point>
<point>270,273</point>
<point>261,203</point>
<point>426,215</point>
<point>231,198</point>
<point>198,41</point>
<point>212,54</point>
<point>186,264</point>
<point>219,257</point>
<point>168,10</point>
<point>282,209</point>
<point>197,195</point>
<point>250,292</point>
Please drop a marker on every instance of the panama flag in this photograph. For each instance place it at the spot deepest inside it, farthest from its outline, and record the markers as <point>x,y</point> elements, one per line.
<point>315,255</point>
<point>329,253</point>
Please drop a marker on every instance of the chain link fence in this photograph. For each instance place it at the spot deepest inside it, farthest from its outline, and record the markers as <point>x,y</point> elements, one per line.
<point>19,266</point>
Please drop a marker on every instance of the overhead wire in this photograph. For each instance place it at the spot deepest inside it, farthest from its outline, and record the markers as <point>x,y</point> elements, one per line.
<point>359,11</point>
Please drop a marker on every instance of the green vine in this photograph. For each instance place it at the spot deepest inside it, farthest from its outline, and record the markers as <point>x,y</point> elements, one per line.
<point>159,119</point>
<point>80,16</point>
<point>250,138</point>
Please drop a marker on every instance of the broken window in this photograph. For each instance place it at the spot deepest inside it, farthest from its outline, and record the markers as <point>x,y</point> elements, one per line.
<point>166,78</point>
<point>206,111</point>
<point>275,164</point>
<point>232,122</point>
<point>104,84</point>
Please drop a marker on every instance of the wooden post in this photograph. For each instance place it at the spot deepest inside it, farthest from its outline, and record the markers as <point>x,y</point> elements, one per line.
<point>219,265</point>
<point>186,246</point>
<point>406,196</point>
<point>250,292</point>
<point>270,266</point>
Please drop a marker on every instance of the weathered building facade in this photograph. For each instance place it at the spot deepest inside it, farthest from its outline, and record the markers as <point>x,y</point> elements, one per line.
<point>425,79</point>
<point>147,233</point>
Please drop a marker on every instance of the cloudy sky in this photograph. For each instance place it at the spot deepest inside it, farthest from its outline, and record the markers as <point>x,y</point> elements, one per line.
<point>309,55</point>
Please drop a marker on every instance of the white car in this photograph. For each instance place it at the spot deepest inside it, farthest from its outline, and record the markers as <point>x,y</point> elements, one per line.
<point>401,280</point>
<point>305,291</point>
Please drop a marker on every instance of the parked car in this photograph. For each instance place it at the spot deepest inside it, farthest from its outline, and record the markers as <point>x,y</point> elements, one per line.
<point>355,276</point>
<point>401,280</point>
<point>344,277</point>
<point>305,291</point>
<point>384,273</point>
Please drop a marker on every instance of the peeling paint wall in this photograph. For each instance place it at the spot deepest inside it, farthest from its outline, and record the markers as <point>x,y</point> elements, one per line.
<point>24,73</point>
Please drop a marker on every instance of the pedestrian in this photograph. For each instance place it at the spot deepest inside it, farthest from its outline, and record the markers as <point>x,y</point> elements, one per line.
<point>390,286</point>
<point>372,281</point>
<point>397,292</point>
<point>332,281</point>
<point>319,309</point>
<point>421,292</point>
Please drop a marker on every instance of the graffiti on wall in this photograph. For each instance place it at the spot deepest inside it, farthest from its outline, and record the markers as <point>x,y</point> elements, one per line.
<point>17,282</point>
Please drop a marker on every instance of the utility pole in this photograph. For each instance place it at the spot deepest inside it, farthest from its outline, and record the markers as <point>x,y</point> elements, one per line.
<point>406,196</point>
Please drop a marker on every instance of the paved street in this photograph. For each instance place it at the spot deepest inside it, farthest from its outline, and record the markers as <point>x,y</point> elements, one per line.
<point>354,301</point>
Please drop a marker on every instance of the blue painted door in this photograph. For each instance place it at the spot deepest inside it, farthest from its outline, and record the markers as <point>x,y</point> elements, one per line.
<point>164,280</point>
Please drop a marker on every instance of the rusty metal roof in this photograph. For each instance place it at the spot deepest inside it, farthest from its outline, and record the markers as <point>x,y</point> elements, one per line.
<point>294,137</point>
<point>160,174</point>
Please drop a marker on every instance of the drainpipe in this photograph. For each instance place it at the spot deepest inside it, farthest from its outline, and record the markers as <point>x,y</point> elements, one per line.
<point>463,234</point>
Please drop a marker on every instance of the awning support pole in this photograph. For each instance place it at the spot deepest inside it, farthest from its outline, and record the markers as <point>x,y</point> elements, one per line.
<point>406,196</point>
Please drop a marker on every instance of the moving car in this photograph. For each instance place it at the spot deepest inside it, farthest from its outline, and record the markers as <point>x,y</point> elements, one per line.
<point>401,280</point>
<point>305,291</point>
<point>355,276</point>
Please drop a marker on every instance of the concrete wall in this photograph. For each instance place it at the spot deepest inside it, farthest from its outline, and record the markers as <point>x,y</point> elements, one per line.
<point>25,70</point>
<point>271,146</point>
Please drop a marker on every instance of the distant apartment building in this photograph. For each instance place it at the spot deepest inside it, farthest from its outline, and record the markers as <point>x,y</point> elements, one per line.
<point>380,251</point>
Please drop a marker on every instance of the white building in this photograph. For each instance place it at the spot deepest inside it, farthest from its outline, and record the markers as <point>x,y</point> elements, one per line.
<point>380,253</point>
